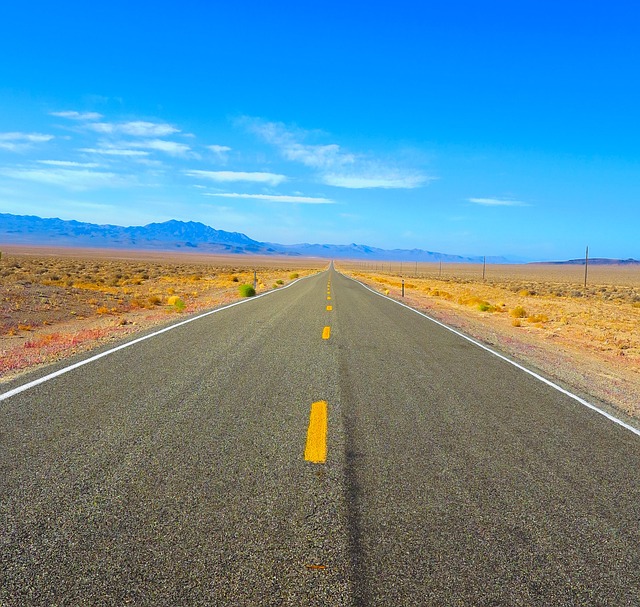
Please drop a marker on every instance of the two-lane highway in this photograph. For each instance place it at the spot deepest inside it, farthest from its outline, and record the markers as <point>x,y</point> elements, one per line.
<point>321,445</point>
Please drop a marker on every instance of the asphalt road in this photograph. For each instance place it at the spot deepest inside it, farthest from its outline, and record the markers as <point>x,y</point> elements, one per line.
<point>173,472</point>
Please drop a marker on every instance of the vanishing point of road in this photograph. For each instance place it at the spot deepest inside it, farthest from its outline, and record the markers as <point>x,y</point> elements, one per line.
<point>320,445</point>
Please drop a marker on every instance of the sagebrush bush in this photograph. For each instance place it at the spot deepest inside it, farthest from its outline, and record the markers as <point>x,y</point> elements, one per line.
<point>537,318</point>
<point>485,306</point>
<point>177,303</point>
<point>246,291</point>
<point>294,275</point>
<point>518,312</point>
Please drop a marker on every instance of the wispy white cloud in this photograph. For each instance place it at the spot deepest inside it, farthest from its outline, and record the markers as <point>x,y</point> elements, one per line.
<point>173,148</point>
<point>70,164</point>
<point>72,115</point>
<point>135,128</point>
<point>275,198</point>
<point>497,202</point>
<point>221,152</point>
<point>219,149</point>
<point>229,176</point>
<point>71,179</point>
<point>288,142</point>
<point>112,151</point>
<point>137,148</point>
<point>18,142</point>
<point>334,165</point>
<point>386,179</point>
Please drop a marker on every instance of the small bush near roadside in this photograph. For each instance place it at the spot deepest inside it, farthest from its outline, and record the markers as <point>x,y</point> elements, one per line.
<point>279,282</point>
<point>246,291</point>
<point>518,312</point>
<point>537,318</point>
<point>177,303</point>
<point>294,275</point>
<point>485,306</point>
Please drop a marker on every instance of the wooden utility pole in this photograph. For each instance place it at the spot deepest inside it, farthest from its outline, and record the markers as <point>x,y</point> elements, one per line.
<point>586,267</point>
<point>484,266</point>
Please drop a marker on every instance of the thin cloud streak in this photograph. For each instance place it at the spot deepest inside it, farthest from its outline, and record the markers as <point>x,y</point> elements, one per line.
<point>275,198</point>
<point>364,181</point>
<point>497,202</point>
<point>77,180</point>
<point>108,151</point>
<point>70,163</point>
<point>230,176</point>
<point>73,115</point>
<point>172,148</point>
<point>135,128</point>
<point>219,149</point>
<point>18,142</point>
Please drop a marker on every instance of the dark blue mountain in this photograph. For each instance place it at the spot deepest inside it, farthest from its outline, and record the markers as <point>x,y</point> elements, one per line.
<point>192,236</point>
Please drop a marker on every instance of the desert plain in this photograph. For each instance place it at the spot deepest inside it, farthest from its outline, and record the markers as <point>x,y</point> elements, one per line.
<point>58,302</point>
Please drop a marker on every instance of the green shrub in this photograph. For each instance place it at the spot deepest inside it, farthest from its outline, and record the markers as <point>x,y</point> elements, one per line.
<point>294,275</point>
<point>279,282</point>
<point>485,306</point>
<point>177,303</point>
<point>246,291</point>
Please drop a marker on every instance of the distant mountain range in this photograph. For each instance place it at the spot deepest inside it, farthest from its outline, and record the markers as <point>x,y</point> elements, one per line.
<point>596,261</point>
<point>192,236</point>
<point>196,237</point>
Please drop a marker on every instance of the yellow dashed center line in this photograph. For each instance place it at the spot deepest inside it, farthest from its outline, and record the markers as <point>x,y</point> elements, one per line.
<point>329,308</point>
<point>316,448</point>
<point>326,333</point>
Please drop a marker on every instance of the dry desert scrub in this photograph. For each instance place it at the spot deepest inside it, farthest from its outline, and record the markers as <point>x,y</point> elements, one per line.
<point>54,303</point>
<point>587,338</point>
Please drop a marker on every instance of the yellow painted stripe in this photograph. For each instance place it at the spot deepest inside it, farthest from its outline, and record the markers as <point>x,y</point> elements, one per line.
<point>329,308</point>
<point>328,298</point>
<point>326,333</point>
<point>316,448</point>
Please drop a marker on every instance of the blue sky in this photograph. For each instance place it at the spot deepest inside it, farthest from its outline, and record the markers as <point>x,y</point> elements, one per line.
<point>497,128</point>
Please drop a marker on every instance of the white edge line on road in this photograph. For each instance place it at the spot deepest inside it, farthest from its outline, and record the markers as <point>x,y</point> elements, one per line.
<point>86,361</point>
<point>544,380</point>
